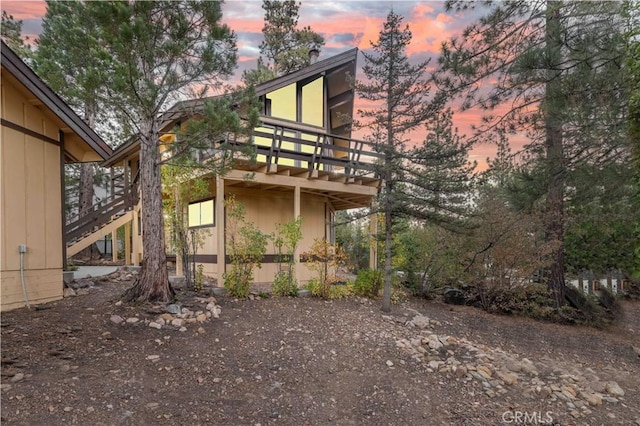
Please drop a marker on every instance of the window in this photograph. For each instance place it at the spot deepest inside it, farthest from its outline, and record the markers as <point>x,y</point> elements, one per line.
<point>201,213</point>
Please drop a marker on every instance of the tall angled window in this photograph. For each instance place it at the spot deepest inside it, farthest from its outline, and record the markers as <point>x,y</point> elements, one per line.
<point>201,213</point>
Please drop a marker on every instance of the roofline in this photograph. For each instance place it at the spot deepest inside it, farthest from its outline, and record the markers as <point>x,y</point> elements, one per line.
<point>174,113</point>
<point>27,77</point>
<point>308,71</point>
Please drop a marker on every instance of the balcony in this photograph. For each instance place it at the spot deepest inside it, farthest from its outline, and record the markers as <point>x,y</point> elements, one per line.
<point>293,149</point>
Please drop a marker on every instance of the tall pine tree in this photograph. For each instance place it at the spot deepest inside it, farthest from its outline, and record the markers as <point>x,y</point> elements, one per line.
<point>551,70</point>
<point>70,60</point>
<point>411,187</point>
<point>160,49</point>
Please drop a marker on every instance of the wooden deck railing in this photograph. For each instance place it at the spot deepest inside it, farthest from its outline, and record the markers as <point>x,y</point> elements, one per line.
<point>283,142</point>
<point>101,213</point>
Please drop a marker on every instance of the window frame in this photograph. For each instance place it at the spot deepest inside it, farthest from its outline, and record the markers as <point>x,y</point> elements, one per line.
<point>206,225</point>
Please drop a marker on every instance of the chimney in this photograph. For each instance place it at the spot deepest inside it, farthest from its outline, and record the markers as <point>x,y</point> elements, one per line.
<point>313,55</point>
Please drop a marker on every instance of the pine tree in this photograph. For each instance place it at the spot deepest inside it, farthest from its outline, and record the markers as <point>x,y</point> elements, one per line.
<point>160,50</point>
<point>68,58</point>
<point>410,187</point>
<point>285,47</point>
<point>555,68</point>
<point>11,33</point>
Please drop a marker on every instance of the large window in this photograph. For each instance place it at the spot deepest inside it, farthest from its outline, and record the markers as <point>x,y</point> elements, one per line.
<point>201,213</point>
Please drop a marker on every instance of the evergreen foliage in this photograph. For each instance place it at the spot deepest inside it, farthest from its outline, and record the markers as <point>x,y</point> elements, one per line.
<point>412,186</point>
<point>553,71</point>
<point>11,34</point>
<point>285,47</point>
<point>160,52</point>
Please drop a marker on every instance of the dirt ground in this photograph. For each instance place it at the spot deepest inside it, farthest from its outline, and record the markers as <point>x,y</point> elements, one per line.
<point>298,361</point>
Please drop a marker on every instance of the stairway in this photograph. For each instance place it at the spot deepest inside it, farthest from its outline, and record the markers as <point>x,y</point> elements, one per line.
<point>104,218</point>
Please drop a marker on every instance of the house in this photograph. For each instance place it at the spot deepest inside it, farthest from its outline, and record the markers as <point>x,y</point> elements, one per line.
<point>307,165</point>
<point>40,134</point>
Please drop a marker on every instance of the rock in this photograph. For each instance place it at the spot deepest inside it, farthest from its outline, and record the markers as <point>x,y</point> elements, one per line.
<point>82,291</point>
<point>132,320</point>
<point>182,329</point>
<point>389,363</point>
<point>201,330</point>
<point>219,291</point>
<point>600,387</point>
<point>155,325</point>
<point>167,317</point>
<point>420,321</point>
<point>116,319</point>
<point>201,318</point>
<point>153,358</point>
<point>69,292</point>
<point>434,364</point>
<point>513,365</point>
<point>177,322</point>
<point>17,378</point>
<point>460,372</point>
<point>614,389</point>
<point>173,309</point>
<point>435,344</point>
<point>568,391</point>
<point>592,398</point>
<point>484,371</point>
<point>216,312</point>
<point>507,377</point>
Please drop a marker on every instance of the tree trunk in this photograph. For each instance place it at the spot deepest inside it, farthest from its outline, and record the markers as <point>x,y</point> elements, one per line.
<point>388,223</point>
<point>153,282</point>
<point>553,105</point>
<point>85,184</point>
<point>386,295</point>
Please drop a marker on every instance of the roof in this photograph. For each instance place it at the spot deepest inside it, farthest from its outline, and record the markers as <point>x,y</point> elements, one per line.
<point>335,68</point>
<point>30,80</point>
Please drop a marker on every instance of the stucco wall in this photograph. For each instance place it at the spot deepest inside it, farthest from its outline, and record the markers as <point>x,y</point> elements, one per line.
<point>30,203</point>
<point>265,208</point>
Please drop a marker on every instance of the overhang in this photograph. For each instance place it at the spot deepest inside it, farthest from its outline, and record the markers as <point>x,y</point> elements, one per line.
<point>77,132</point>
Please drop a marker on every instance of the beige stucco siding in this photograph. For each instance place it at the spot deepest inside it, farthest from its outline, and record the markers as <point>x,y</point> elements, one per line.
<point>266,208</point>
<point>30,203</point>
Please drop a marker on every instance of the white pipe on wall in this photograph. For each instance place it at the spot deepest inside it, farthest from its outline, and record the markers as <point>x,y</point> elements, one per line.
<point>22,249</point>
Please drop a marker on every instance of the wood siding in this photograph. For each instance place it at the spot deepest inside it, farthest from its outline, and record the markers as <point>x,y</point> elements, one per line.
<point>30,202</point>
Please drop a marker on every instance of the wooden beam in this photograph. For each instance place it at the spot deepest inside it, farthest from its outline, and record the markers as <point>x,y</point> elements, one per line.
<point>220,225</point>
<point>127,242</point>
<point>296,214</point>
<point>314,184</point>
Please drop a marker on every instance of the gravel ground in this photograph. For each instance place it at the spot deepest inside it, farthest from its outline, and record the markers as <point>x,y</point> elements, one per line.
<point>90,360</point>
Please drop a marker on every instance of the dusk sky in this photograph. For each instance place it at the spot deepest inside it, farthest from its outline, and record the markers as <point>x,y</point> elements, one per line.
<point>344,25</point>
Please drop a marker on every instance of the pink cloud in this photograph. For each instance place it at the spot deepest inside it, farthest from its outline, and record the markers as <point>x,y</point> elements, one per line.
<point>22,10</point>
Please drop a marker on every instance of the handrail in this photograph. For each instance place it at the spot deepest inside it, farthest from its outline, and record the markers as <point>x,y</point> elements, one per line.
<point>102,212</point>
<point>305,128</point>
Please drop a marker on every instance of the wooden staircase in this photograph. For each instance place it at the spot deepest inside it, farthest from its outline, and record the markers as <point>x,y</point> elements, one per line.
<point>105,217</point>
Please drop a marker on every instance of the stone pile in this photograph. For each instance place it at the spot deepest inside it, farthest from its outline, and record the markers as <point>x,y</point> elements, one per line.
<point>176,317</point>
<point>81,286</point>
<point>497,370</point>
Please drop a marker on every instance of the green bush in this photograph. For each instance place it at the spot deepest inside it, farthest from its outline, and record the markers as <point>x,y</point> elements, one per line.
<point>368,283</point>
<point>328,290</point>
<point>284,284</point>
